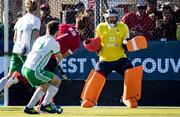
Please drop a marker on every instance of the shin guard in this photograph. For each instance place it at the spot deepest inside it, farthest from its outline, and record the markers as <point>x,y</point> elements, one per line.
<point>132,83</point>
<point>92,89</point>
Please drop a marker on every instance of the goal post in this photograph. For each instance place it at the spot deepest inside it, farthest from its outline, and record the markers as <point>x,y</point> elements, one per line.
<point>7,41</point>
<point>6,45</point>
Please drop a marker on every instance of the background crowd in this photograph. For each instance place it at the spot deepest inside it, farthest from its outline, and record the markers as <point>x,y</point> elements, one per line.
<point>158,22</point>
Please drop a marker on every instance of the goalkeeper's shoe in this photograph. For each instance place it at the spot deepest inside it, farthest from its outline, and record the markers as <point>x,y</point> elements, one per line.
<point>11,81</point>
<point>87,103</point>
<point>50,108</point>
<point>30,110</point>
<point>131,102</point>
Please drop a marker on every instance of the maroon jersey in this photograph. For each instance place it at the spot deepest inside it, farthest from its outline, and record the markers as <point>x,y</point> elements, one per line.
<point>68,37</point>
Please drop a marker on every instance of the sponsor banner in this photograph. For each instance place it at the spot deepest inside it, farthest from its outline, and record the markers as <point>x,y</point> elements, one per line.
<point>1,64</point>
<point>161,61</point>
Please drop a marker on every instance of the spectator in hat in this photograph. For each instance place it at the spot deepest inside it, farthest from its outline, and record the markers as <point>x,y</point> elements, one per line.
<point>139,22</point>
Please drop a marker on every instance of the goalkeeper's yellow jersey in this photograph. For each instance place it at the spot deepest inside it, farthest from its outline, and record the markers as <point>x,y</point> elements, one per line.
<point>112,41</point>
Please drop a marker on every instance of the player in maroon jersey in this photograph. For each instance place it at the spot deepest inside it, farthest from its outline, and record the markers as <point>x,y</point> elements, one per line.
<point>69,38</point>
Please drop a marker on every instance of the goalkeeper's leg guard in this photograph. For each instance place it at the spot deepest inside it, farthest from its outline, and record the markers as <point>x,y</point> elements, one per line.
<point>92,89</point>
<point>87,80</point>
<point>132,86</point>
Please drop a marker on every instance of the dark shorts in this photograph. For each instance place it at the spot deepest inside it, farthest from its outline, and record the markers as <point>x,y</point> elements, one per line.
<point>52,66</point>
<point>119,66</point>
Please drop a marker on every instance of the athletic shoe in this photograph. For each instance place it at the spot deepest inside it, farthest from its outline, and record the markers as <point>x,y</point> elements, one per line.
<point>131,102</point>
<point>59,109</point>
<point>11,81</point>
<point>30,110</point>
<point>50,108</point>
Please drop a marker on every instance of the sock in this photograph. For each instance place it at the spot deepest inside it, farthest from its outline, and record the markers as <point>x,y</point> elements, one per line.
<point>35,98</point>
<point>41,100</point>
<point>3,82</point>
<point>50,93</point>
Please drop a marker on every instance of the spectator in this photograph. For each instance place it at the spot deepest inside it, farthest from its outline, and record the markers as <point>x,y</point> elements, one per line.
<point>151,6</point>
<point>175,11</point>
<point>11,27</point>
<point>177,14</point>
<point>45,17</point>
<point>166,28</point>
<point>139,22</point>
<point>152,10</point>
<point>157,15</point>
<point>79,7</point>
<point>88,31</point>
<point>70,14</point>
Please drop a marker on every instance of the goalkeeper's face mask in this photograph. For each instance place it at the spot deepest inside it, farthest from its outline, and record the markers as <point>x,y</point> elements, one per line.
<point>112,21</point>
<point>111,17</point>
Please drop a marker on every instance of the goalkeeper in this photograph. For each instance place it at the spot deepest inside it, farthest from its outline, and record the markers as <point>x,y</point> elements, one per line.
<point>112,37</point>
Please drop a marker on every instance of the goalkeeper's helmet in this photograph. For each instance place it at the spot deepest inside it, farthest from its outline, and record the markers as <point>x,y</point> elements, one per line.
<point>108,17</point>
